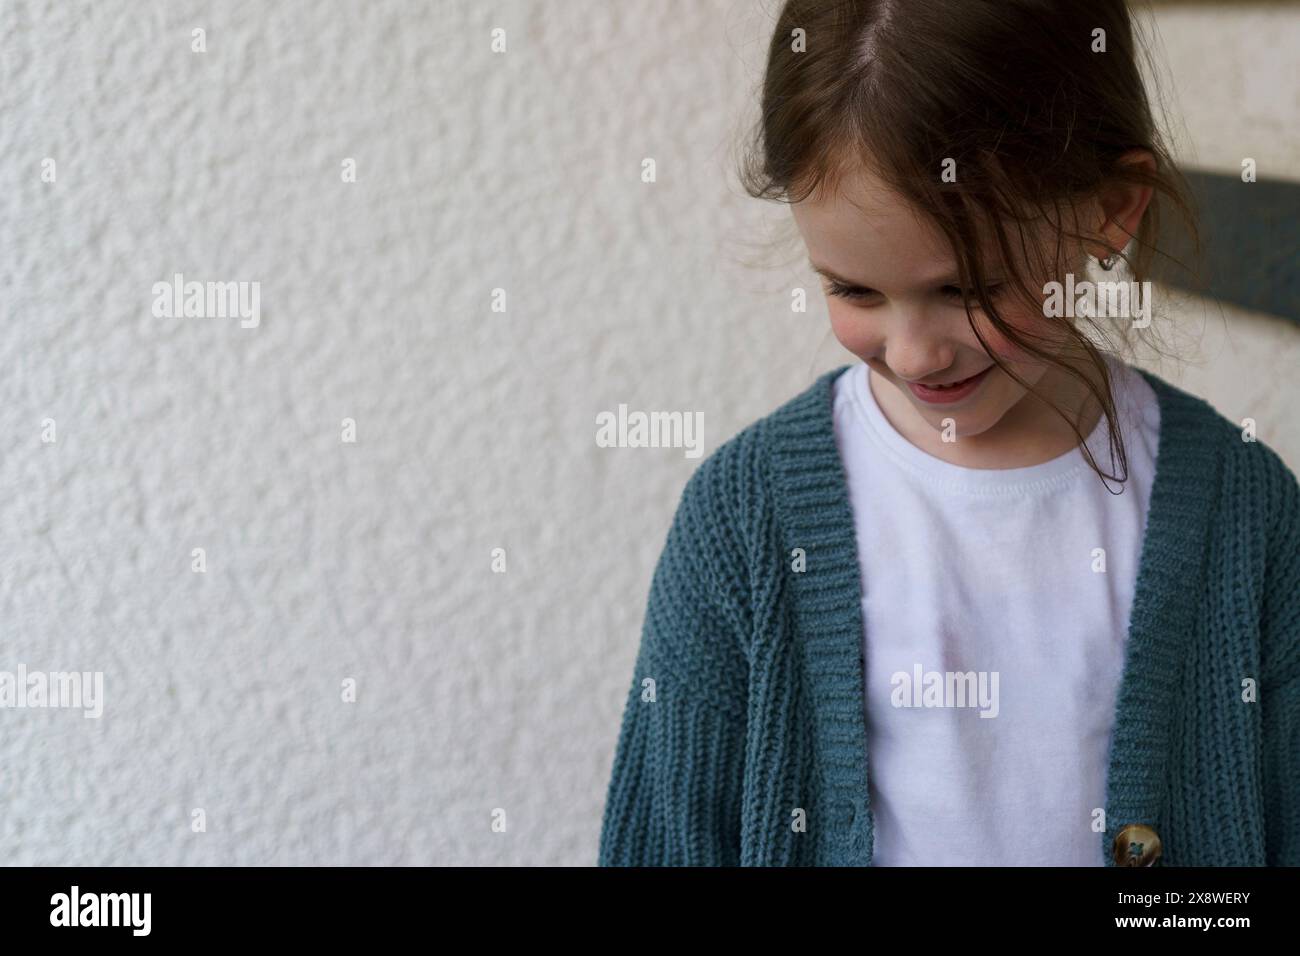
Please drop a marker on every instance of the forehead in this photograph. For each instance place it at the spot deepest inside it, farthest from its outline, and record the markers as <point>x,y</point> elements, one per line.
<point>867,232</point>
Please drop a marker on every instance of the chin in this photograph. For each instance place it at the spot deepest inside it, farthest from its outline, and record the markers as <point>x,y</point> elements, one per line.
<point>969,421</point>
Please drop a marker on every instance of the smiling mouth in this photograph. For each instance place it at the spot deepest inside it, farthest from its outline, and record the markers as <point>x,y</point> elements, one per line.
<point>956,384</point>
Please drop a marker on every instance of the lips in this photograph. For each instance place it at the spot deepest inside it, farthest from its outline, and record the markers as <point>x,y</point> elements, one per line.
<point>952,392</point>
<point>960,381</point>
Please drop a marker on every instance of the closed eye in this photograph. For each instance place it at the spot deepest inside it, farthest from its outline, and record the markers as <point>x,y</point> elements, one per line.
<point>858,293</point>
<point>851,292</point>
<point>968,295</point>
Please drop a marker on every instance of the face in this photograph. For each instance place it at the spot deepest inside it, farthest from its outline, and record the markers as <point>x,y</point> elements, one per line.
<point>894,299</point>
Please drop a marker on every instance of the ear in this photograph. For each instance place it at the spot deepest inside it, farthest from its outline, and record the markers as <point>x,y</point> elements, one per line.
<point>1122,206</point>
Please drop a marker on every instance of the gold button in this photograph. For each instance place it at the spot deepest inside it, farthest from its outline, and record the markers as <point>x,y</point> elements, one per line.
<point>1137,845</point>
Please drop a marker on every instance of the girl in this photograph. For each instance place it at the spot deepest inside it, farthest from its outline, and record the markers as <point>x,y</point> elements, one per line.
<point>991,596</point>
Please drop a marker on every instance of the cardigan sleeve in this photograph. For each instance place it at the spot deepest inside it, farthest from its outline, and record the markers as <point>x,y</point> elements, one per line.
<point>674,797</point>
<point>1280,683</point>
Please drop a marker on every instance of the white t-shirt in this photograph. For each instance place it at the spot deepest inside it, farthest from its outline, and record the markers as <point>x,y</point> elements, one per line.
<point>992,574</point>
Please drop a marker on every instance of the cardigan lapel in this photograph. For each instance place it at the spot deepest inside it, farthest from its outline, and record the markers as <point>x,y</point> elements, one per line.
<point>815,515</point>
<point>1163,617</point>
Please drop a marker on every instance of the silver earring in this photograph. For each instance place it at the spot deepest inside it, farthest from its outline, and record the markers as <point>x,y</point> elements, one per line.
<point>1109,262</point>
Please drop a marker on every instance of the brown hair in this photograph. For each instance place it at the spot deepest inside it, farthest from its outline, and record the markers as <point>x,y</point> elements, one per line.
<point>1013,91</point>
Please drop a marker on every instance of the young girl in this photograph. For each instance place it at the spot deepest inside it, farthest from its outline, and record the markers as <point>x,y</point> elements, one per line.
<point>991,596</point>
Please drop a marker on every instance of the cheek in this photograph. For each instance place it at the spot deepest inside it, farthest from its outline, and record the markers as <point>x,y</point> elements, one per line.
<point>1030,325</point>
<point>854,330</point>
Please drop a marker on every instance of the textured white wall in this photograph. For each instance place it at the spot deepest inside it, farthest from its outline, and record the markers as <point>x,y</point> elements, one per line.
<point>475,429</point>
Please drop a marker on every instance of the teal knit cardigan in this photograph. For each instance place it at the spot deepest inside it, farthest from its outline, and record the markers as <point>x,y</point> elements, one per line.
<point>746,703</point>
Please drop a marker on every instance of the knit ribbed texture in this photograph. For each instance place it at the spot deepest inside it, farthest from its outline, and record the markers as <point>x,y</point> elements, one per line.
<point>749,747</point>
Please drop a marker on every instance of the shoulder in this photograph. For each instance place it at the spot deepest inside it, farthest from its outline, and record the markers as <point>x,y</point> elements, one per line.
<point>738,475</point>
<point>1253,489</point>
<point>719,543</point>
<point>1244,456</point>
<point>1186,412</point>
<point>728,510</point>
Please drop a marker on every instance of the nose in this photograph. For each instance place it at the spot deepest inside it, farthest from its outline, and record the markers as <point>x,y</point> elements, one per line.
<point>918,346</point>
